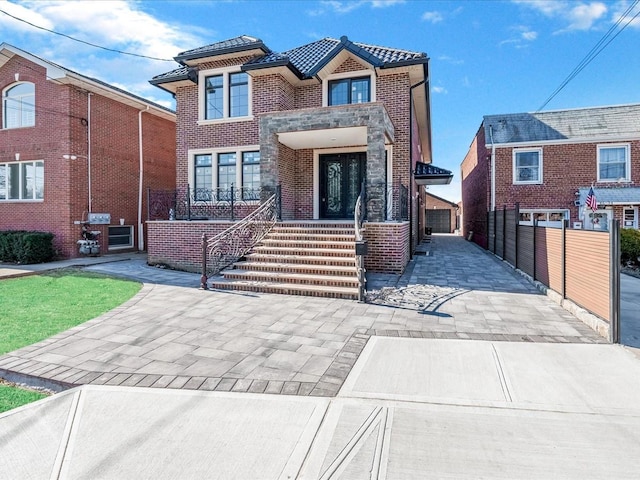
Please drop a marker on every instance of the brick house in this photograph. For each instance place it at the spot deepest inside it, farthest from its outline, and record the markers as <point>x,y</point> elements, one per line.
<point>441,215</point>
<point>547,162</point>
<point>315,123</point>
<point>74,149</point>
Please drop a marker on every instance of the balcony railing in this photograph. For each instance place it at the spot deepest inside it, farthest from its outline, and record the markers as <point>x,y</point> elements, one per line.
<point>188,203</point>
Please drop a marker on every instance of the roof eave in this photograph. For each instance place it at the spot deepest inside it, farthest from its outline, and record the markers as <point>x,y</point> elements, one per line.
<point>278,63</point>
<point>184,58</point>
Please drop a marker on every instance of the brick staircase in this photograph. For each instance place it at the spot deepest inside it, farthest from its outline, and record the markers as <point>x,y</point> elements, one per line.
<point>298,258</point>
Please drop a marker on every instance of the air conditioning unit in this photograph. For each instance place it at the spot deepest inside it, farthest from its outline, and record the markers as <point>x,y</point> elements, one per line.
<point>576,203</point>
<point>577,225</point>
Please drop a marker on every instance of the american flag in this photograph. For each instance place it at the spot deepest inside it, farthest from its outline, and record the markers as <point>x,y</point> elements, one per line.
<point>591,202</point>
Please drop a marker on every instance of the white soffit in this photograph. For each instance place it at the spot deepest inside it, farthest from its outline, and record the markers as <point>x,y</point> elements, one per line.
<point>326,138</point>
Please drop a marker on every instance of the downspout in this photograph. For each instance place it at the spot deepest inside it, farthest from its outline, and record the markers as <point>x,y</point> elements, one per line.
<point>89,147</point>
<point>411,165</point>
<point>140,185</point>
<point>493,170</point>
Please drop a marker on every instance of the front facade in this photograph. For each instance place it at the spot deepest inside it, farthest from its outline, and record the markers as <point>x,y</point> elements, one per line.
<point>547,163</point>
<point>317,123</point>
<point>77,152</point>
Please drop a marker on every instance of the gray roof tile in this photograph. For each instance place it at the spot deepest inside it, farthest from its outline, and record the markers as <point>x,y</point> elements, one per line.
<point>584,123</point>
<point>305,60</point>
<point>612,195</point>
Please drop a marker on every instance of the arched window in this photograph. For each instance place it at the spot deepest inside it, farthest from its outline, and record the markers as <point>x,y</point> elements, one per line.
<point>18,106</point>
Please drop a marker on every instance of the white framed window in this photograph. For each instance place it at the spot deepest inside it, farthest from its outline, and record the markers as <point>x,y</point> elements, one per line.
<point>212,172</point>
<point>224,95</point>
<point>18,105</point>
<point>120,237</point>
<point>543,217</point>
<point>349,87</point>
<point>630,217</point>
<point>22,181</point>
<point>527,166</point>
<point>614,163</point>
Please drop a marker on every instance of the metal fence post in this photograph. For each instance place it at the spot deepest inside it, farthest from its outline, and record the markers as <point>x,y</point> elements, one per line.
<point>565,224</point>
<point>504,231</point>
<point>188,202</point>
<point>535,260</point>
<point>232,193</point>
<point>614,279</point>
<point>517,222</point>
<point>279,202</point>
<point>203,278</point>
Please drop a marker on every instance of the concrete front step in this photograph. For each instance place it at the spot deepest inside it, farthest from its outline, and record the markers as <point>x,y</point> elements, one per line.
<point>304,268</point>
<point>296,278</point>
<point>315,252</point>
<point>308,244</point>
<point>288,289</point>
<point>322,237</point>
<point>313,231</point>
<point>301,259</point>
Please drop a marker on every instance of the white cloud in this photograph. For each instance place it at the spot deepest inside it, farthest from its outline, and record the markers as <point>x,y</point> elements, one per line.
<point>575,15</point>
<point>620,8</point>
<point>342,7</point>
<point>433,17</point>
<point>27,14</point>
<point>522,36</point>
<point>452,61</point>
<point>435,89</point>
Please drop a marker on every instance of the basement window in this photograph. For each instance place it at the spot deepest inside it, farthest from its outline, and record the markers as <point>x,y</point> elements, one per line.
<point>120,237</point>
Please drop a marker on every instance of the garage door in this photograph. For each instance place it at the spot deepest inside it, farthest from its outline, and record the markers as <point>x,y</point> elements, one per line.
<point>439,220</point>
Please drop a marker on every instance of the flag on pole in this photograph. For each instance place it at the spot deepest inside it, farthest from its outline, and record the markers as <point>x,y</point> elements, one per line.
<point>591,201</point>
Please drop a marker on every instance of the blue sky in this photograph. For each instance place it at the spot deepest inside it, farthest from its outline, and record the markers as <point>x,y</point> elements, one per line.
<point>487,57</point>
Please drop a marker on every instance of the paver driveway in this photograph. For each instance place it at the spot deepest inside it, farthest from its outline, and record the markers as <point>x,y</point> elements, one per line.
<point>171,336</point>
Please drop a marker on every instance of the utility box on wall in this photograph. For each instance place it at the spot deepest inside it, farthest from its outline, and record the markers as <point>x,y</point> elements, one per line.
<point>99,218</point>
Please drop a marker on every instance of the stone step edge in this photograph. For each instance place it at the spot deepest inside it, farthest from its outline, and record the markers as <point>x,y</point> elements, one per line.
<point>264,266</point>
<point>289,289</point>
<point>298,259</point>
<point>286,277</point>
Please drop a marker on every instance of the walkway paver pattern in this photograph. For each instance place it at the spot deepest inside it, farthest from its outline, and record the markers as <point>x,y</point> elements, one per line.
<point>173,335</point>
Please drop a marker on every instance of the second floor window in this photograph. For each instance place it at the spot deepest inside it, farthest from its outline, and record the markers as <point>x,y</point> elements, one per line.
<point>613,163</point>
<point>226,95</point>
<point>527,166</point>
<point>350,90</point>
<point>18,106</point>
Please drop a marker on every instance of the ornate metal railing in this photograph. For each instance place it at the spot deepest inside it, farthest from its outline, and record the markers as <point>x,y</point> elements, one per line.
<point>388,201</point>
<point>188,203</point>
<point>361,245</point>
<point>229,246</point>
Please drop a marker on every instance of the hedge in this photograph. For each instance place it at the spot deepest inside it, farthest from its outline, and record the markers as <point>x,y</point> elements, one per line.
<point>630,245</point>
<point>23,247</point>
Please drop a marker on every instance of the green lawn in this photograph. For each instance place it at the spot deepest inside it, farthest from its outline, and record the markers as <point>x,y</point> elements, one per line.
<point>13,397</point>
<point>36,307</point>
<point>39,306</point>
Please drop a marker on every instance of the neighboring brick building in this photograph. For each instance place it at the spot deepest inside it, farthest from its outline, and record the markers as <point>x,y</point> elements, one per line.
<point>116,146</point>
<point>547,162</point>
<point>441,215</point>
<point>317,121</point>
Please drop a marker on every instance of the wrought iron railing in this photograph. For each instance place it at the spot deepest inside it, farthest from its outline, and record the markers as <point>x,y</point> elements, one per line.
<point>229,246</point>
<point>188,203</point>
<point>387,201</point>
<point>359,216</point>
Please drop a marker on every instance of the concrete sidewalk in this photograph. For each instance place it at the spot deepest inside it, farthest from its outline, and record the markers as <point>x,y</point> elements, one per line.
<point>411,408</point>
<point>630,311</point>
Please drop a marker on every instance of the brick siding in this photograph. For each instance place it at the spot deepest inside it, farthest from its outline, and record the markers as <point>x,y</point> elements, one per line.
<point>61,116</point>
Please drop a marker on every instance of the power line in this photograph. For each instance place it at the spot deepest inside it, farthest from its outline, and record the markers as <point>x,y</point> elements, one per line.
<point>595,51</point>
<point>84,41</point>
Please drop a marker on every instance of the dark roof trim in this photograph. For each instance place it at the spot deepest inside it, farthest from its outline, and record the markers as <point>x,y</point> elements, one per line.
<point>203,53</point>
<point>284,62</point>
<point>346,44</point>
<point>405,63</point>
<point>428,174</point>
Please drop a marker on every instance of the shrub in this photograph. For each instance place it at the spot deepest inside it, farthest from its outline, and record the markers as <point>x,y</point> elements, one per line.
<point>629,245</point>
<point>26,247</point>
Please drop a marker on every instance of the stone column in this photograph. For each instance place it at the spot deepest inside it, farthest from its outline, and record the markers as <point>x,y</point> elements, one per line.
<point>376,171</point>
<point>269,153</point>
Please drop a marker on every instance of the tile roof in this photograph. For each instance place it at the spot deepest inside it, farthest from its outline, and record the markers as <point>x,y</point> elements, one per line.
<point>584,123</point>
<point>612,195</point>
<point>236,44</point>
<point>305,61</point>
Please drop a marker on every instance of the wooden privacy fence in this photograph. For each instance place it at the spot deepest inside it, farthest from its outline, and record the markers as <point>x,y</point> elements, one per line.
<point>580,265</point>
